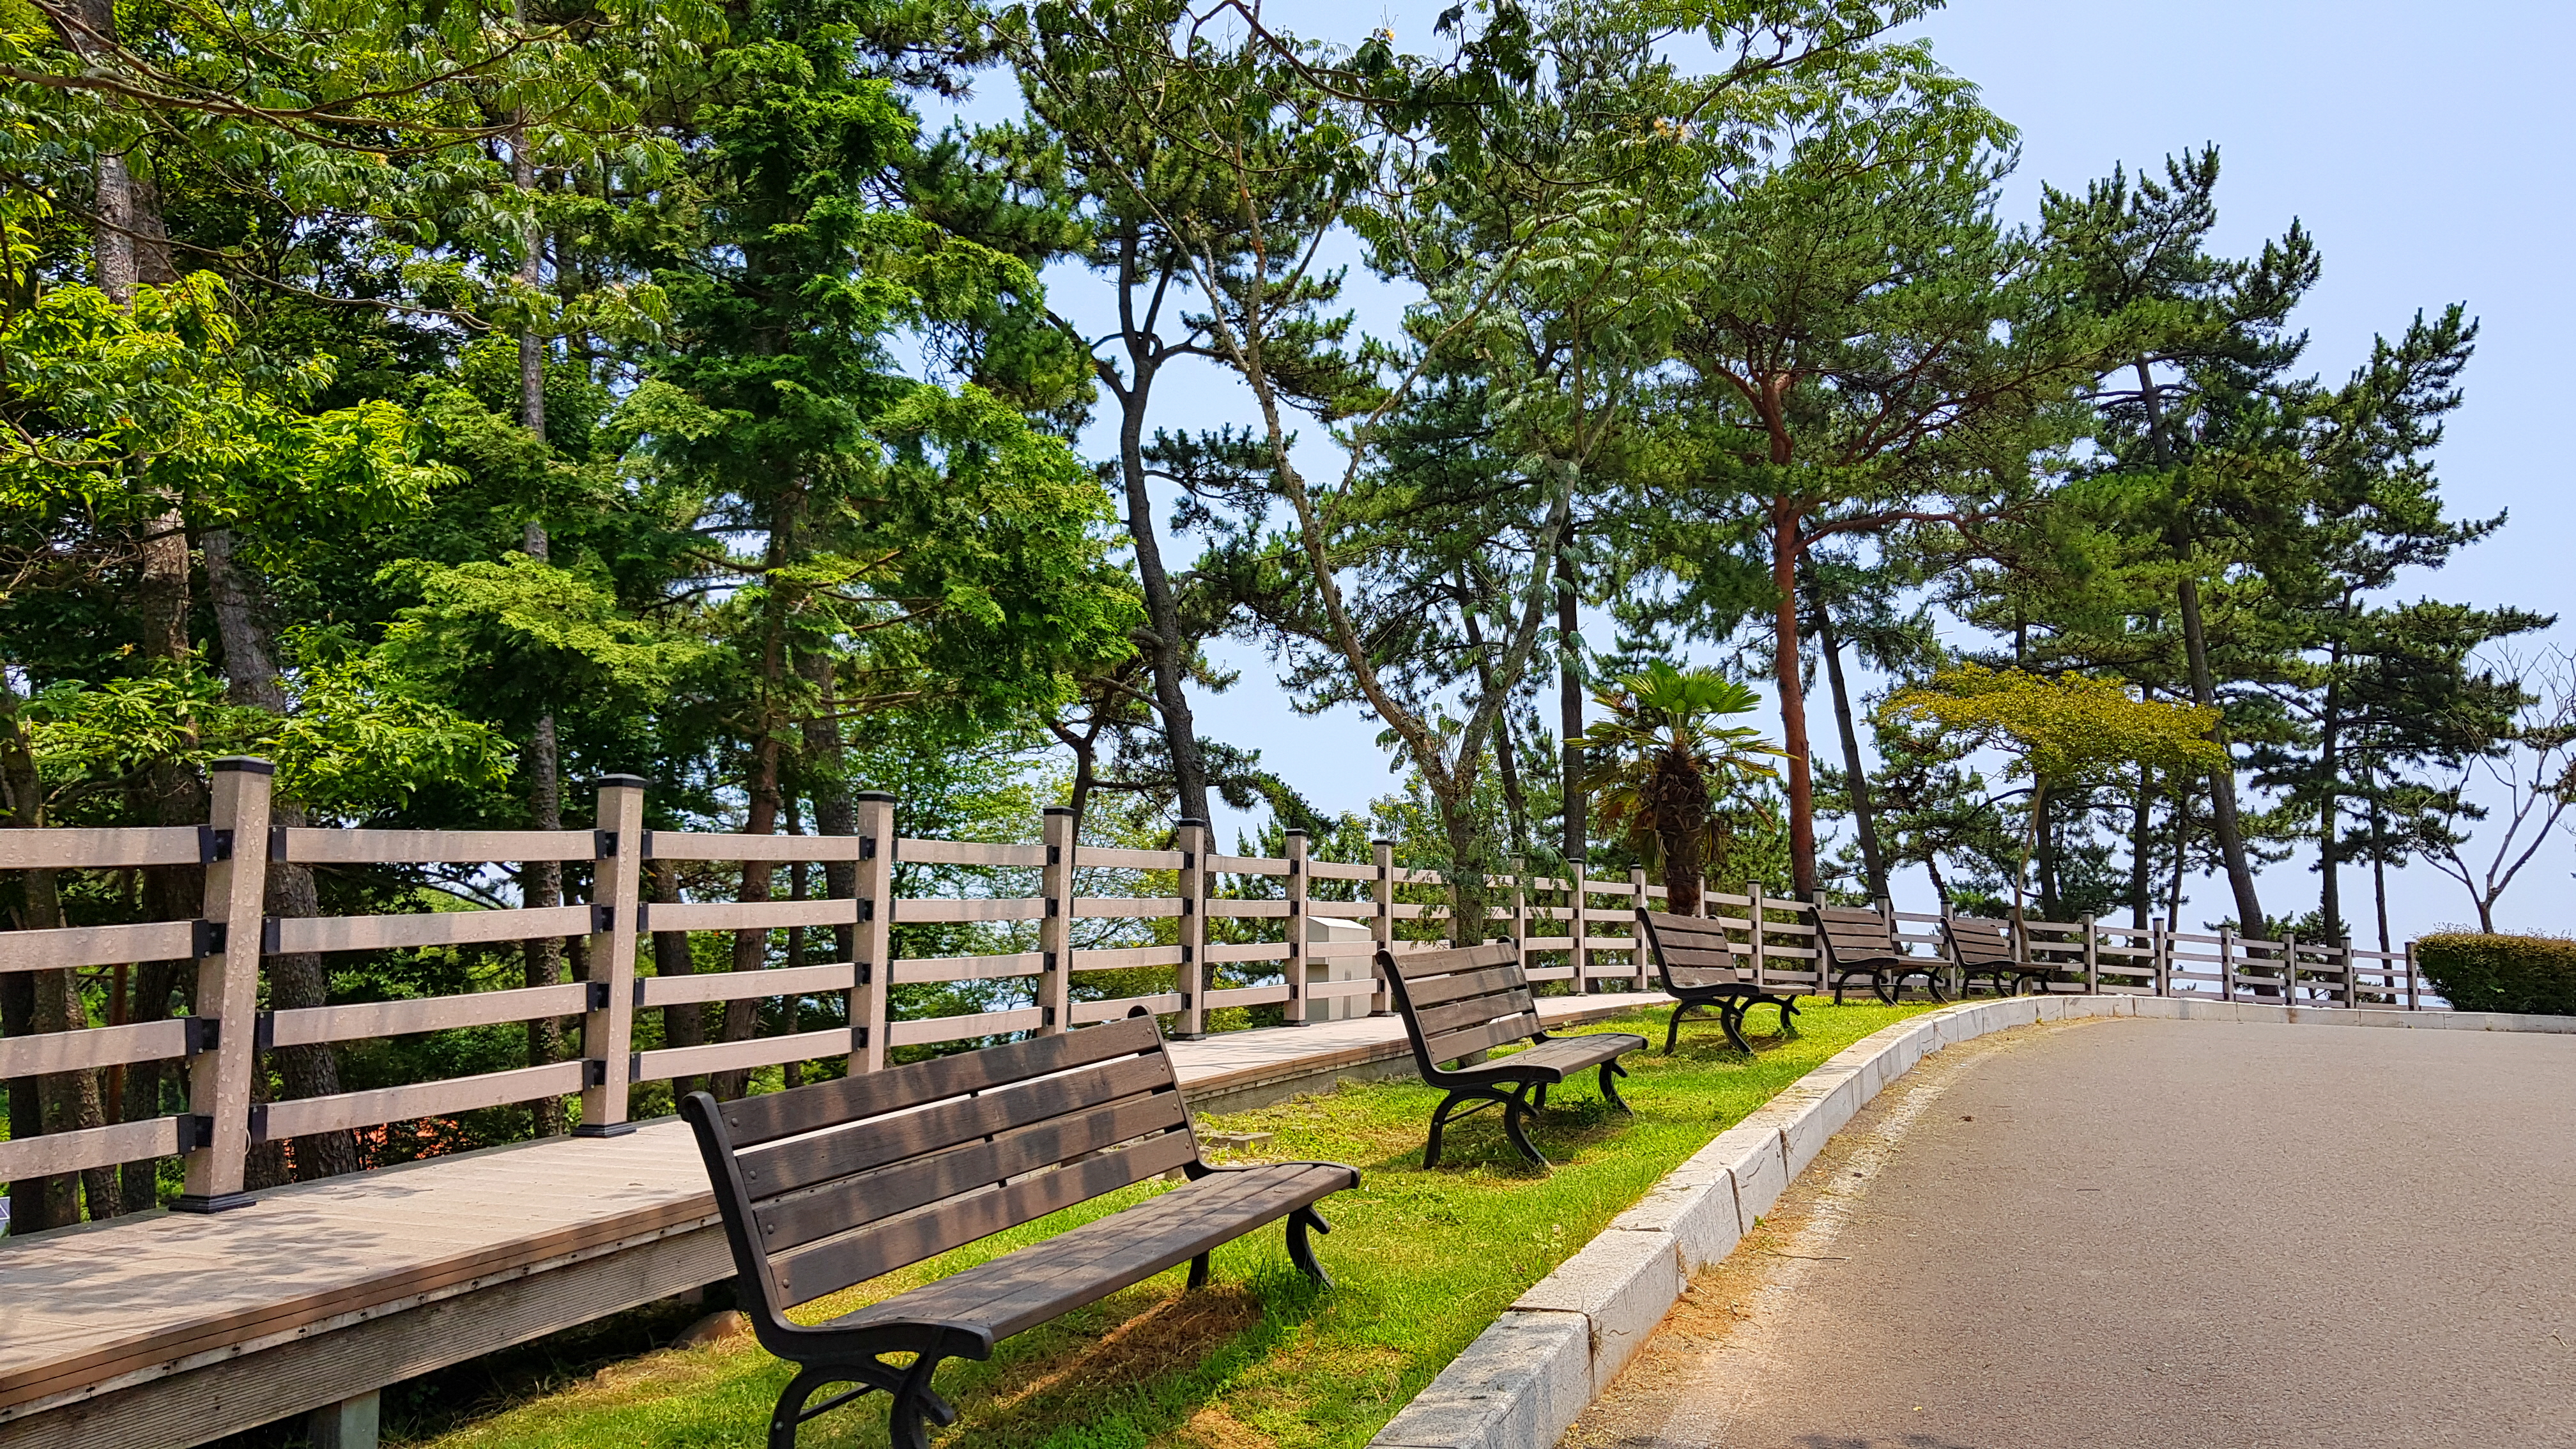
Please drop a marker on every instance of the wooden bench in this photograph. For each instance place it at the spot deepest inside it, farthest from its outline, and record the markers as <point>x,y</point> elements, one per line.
<point>1697,966</point>
<point>1980,946</point>
<point>830,1185</point>
<point>1464,1001</point>
<point>1857,942</point>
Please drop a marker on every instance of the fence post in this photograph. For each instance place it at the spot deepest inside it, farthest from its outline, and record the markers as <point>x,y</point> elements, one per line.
<point>2227,963</point>
<point>2289,968</point>
<point>2414,995</point>
<point>1055,931</point>
<point>1577,927</point>
<point>872,956</point>
<point>1382,925</point>
<point>219,1081</point>
<point>1636,932</point>
<point>2092,958</point>
<point>1191,887</point>
<point>1754,935</point>
<point>2160,954</point>
<point>1294,1013</point>
<point>616,900</point>
<point>2351,977</point>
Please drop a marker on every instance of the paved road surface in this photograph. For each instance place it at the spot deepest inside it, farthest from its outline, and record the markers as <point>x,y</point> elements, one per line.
<point>2154,1233</point>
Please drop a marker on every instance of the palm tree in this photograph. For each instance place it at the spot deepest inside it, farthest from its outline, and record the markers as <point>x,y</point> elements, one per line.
<point>1660,762</point>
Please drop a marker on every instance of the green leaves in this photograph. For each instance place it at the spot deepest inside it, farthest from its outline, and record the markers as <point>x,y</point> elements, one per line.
<point>2068,730</point>
<point>120,411</point>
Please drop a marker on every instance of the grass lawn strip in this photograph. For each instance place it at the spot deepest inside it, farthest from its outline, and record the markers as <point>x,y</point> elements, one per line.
<point>1424,1261</point>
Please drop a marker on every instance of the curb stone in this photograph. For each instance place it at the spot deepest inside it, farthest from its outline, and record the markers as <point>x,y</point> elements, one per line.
<point>1525,1380</point>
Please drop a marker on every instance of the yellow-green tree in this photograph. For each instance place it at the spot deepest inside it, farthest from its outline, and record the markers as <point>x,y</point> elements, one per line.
<point>2063,731</point>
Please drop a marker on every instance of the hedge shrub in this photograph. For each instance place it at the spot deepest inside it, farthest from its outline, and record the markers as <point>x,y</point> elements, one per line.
<point>2475,972</point>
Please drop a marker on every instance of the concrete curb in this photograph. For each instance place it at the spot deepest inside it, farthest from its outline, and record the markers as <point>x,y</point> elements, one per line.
<point>1524,1380</point>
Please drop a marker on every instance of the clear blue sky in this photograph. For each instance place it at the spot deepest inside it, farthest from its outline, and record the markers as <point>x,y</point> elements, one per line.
<point>2425,147</point>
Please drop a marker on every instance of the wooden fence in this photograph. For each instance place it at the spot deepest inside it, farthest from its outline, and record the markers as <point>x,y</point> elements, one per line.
<point>1225,926</point>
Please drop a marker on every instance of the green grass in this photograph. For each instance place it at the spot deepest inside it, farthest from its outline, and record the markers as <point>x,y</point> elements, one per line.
<point>1424,1261</point>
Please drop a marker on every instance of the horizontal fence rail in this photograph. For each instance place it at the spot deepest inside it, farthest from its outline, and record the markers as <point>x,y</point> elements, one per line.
<point>1032,933</point>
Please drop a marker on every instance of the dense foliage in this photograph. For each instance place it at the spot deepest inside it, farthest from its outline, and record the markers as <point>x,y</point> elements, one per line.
<point>2486,972</point>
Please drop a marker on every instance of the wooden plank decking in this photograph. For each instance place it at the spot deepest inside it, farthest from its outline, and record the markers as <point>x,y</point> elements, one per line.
<point>167,1330</point>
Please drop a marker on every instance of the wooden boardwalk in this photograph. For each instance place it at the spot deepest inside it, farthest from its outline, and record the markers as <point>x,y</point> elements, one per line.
<point>167,1330</point>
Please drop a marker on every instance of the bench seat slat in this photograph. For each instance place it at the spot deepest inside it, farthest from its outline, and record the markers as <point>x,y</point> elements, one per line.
<point>1090,1262</point>
<point>808,1273</point>
<point>750,1121</point>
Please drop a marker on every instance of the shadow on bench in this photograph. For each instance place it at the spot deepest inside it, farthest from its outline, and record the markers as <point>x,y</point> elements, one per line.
<point>830,1185</point>
<point>1470,999</point>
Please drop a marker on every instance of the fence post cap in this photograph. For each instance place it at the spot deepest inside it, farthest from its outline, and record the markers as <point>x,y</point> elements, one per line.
<point>1189,820</point>
<point>875,796</point>
<point>627,782</point>
<point>1058,810</point>
<point>246,764</point>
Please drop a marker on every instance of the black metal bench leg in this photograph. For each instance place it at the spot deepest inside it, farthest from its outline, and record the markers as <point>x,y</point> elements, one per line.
<point>794,1407</point>
<point>1199,1271</point>
<point>1538,1099</point>
<point>1932,983</point>
<point>1514,1109</point>
<point>1610,1090</point>
<point>1730,1015</point>
<point>1841,980</point>
<point>1440,1119</point>
<point>1878,985</point>
<point>1673,1033</point>
<point>1302,1252</point>
<point>912,1401</point>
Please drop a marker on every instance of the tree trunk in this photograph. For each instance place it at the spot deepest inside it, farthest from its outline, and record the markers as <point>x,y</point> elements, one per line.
<point>30,1198</point>
<point>1171,661</point>
<point>1864,818</point>
<point>762,787</point>
<point>2140,841</point>
<point>1681,817</point>
<point>1505,766</point>
<point>1569,707</point>
<point>2378,860</point>
<point>540,881</point>
<point>826,771</point>
<point>2204,692</point>
<point>294,981</point>
<point>35,1203</point>
<point>2329,803</point>
<point>130,248</point>
<point>64,1101</point>
<point>1785,547</point>
<point>2044,828</point>
<point>2222,781</point>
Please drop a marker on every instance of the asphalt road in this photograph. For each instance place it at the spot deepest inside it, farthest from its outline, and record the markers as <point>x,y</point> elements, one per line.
<point>2154,1233</point>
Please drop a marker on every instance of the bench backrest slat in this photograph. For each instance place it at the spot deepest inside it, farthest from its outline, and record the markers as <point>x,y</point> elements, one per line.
<point>833,1264</point>
<point>1690,951</point>
<point>1977,941</point>
<point>873,1142</point>
<point>854,1202</point>
<point>1851,933</point>
<point>1461,1001</point>
<point>751,1121</point>
<point>836,1183</point>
